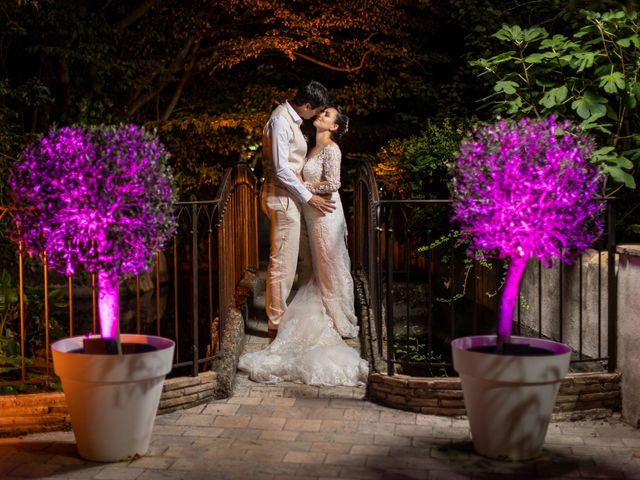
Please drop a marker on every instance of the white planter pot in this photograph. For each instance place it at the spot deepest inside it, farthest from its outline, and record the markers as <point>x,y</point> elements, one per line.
<point>509,398</point>
<point>112,399</point>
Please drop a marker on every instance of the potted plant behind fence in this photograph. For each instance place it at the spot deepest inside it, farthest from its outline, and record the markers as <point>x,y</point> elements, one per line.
<point>101,198</point>
<point>520,190</point>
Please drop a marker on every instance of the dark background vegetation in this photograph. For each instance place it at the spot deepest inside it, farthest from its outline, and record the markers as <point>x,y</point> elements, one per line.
<point>207,73</point>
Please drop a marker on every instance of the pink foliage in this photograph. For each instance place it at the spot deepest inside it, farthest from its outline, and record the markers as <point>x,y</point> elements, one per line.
<point>98,197</point>
<point>525,190</point>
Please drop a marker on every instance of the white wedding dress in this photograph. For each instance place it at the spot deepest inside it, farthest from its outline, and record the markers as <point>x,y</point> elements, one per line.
<point>309,347</point>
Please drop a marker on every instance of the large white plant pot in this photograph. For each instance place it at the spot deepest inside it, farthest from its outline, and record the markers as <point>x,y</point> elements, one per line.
<point>509,398</point>
<point>112,399</point>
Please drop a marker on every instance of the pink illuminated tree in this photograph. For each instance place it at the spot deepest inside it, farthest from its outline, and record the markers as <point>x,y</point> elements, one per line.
<point>97,197</point>
<point>524,190</point>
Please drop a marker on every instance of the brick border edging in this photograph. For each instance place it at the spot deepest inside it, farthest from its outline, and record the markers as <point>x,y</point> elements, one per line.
<point>43,412</point>
<point>186,392</point>
<point>579,393</point>
<point>32,413</point>
<point>582,395</point>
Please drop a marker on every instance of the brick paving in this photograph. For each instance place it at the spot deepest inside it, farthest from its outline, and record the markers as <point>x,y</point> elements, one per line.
<point>290,431</point>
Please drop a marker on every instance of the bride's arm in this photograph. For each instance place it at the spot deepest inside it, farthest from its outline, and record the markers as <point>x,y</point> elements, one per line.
<point>331,157</point>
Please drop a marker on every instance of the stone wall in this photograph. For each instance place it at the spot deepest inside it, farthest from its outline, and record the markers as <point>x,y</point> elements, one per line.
<point>581,394</point>
<point>185,392</point>
<point>437,396</point>
<point>41,412</point>
<point>592,337</point>
<point>34,412</point>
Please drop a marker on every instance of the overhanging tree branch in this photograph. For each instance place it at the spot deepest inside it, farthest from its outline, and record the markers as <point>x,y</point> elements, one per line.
<point>141,99</point>
<point>333,67</point>
<point>186,73</point>
<point>135,15</point>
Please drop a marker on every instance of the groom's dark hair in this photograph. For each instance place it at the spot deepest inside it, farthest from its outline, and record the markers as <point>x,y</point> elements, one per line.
<point>313,93</point>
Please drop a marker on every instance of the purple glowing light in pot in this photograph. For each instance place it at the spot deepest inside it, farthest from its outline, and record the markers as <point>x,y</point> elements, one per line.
<point>525,190</point>
<point>97,197</point>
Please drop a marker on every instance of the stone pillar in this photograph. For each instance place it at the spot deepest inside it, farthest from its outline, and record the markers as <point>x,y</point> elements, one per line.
<point>629,331</point>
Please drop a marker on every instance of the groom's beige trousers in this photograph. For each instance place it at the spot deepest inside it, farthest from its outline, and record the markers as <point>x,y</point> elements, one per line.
<point>289,249</point>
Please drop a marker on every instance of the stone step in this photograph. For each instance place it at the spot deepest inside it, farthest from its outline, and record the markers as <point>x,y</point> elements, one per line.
<point>245,387</point>
<point>254,324</point>
<point>259,300</point>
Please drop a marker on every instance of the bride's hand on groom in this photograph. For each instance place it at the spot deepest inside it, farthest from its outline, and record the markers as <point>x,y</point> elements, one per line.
<point>323,204</point>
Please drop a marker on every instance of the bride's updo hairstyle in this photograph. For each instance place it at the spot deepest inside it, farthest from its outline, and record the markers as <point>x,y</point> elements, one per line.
<point>343,124</point>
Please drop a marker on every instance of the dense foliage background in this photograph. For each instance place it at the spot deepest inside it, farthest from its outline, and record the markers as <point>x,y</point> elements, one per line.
<point>206,73</point>
<point>413,75</point>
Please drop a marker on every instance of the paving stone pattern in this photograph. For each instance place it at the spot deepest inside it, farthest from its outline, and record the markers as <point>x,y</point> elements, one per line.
<point>290,431</point>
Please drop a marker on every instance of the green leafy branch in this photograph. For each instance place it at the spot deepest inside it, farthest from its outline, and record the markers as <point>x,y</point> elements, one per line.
<point>468,262</point>
<point>412,349</point>
<point>591,76</point>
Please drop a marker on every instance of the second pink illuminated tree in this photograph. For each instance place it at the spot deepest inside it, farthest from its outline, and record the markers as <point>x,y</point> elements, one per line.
<point>524,190</point>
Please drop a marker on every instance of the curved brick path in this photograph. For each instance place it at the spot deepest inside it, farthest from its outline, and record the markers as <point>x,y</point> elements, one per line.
<point>301,432</point>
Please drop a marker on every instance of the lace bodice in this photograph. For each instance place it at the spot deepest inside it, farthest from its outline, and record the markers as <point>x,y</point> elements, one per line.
<point>321,172</point>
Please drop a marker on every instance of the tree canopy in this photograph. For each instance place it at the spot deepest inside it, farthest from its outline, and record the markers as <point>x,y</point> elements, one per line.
<point>206,73</point>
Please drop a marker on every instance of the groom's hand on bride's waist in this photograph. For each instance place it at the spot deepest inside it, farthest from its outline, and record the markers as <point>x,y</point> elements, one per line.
<point>322,204</point>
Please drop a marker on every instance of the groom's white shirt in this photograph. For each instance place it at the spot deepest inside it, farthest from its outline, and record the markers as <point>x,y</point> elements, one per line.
<point>281,135</point>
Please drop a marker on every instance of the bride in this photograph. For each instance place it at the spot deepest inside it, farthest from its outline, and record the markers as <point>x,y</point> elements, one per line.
<point>309,347</point>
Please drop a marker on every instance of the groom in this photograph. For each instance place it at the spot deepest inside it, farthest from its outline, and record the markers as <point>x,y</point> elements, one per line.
<point>284,150</point>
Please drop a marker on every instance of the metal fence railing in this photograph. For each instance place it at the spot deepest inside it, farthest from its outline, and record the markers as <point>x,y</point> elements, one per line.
<point>423,290</point>
<point>187,296</point>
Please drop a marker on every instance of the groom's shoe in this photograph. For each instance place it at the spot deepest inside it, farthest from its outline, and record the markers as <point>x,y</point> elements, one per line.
<point>272,332</point>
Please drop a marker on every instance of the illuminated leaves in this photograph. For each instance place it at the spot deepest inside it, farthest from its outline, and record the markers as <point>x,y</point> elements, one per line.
<point>417,167</point>
<point>590,105</point>
<point>613,82</point>
<point>506,86</point>
<point>203,146</point>
<point>555,96</point>
<point>98,197</point>
<point>590,76</point>
<point>527,189</point>
<point>335,35</point>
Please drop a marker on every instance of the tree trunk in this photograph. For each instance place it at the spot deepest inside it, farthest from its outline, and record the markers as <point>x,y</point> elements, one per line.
<point>509,298</point>
<point>108,305</point>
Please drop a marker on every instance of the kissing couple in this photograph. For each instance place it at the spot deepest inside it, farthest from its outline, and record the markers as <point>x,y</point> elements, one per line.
<point>308,234</point>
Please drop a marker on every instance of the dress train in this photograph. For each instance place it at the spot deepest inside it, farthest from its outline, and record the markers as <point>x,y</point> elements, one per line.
<point>307,349</point>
